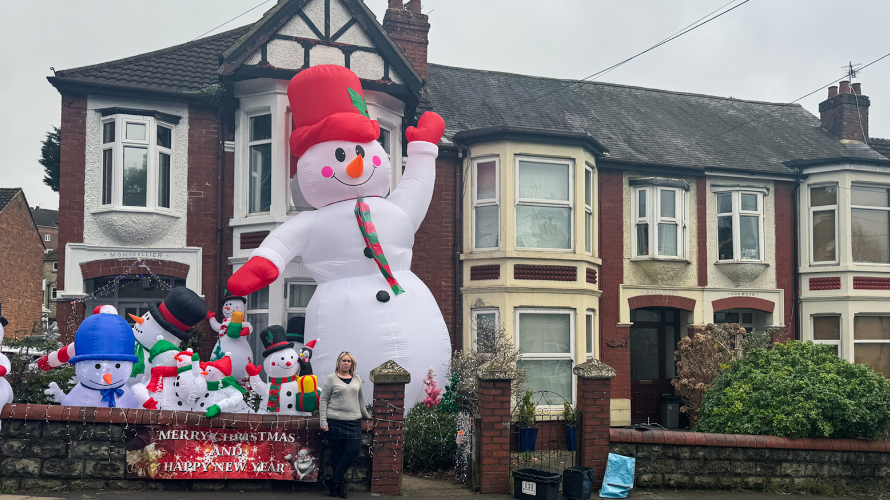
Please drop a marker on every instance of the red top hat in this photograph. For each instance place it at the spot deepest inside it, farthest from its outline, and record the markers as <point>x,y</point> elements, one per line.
<point>328,104</point>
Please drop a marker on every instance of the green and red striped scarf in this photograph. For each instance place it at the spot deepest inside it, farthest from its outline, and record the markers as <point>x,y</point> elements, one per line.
<point>369,233</point>
<point>274,388</point>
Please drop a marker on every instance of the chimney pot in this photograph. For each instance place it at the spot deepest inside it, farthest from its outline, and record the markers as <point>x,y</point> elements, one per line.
<point>845,87</point>
<point>857,88</point>
<point>414,6</point>
<point>832,91</point>
<point>395,4</point>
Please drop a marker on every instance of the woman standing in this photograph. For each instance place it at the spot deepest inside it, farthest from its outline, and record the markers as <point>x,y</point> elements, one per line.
<point>341,410</point>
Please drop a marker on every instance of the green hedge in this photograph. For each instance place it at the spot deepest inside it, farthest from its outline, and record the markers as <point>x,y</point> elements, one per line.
<point>430,438</point>
<point>797,390</point>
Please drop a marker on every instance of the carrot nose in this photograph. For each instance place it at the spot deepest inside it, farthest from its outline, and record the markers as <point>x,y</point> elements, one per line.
<point>356,167</point>
<point>137,319</point>
<point>107,378</point>
<point>204,373</point>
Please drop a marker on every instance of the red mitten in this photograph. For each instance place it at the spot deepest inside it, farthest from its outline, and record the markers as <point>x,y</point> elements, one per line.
<point>211,315</point>
<point>429,128</point>
<point>252,369</point>
<point>43,364</point>
<point>244,332</point>
<point>2,371</point>
<point>255,274</point>
<point>151,404</point>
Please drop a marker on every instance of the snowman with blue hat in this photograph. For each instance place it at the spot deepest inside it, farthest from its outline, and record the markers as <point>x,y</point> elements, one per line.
<point>104,344</point>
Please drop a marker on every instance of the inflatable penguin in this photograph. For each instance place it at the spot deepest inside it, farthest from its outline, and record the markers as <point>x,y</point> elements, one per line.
<point>104,344</point>
<point>358,244</point>
<point>280,362</point>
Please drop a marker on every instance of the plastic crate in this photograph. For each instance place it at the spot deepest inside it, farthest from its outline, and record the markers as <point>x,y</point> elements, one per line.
<point>577,483</point>
<point>534,484</point>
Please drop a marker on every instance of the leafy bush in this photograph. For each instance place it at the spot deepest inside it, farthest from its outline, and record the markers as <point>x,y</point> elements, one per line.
<point>430,438</point>
<point>797,390</point>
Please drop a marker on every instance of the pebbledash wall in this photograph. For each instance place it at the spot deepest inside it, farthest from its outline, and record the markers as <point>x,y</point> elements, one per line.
<point>697,460</point>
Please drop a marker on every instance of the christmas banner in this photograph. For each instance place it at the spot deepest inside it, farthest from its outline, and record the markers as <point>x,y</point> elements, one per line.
<point>181,452</point>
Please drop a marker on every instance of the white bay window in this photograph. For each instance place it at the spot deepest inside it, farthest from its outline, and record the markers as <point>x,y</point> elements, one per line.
<point>823,220</point>
<point>259,190</point>
<point>659,218</point>
<point>137,153</point>
<point>486,211</point>
<point>546,338</point>
<point>739,224</point>
<point>544,203</point>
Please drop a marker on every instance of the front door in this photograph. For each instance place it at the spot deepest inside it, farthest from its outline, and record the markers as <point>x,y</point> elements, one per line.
<point>653,340</point>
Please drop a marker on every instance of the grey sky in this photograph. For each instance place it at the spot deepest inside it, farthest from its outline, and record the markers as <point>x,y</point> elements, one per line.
<point>770,50</point>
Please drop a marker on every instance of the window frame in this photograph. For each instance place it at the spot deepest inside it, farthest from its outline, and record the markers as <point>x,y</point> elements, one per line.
<point>853,207</point>
<point>551,356</point>
<point>823,208</point>
<point>857,342</point>
<point>55,265</point>
<point>474,313</point>
<point>248,144</point>
<point>288,309</point>
<point>153,149</point>
<point>590,333</point>
<point>839,342</point>
<point>653,218</point>
<point>534,202</point>
<point>46,237</point>
<point>736,192</point>
<point>589,192</point>
<point>486,202</point>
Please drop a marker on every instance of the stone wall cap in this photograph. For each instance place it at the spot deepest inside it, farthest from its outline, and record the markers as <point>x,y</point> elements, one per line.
<point>390,373</point>
<point>496,369</point>
<point>594,369</point>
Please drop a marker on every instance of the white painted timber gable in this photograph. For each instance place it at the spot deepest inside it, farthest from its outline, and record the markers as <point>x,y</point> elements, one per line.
<point>299,44</point>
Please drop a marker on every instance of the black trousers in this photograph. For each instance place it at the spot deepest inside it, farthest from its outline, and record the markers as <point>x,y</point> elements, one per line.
<point>343,455</point>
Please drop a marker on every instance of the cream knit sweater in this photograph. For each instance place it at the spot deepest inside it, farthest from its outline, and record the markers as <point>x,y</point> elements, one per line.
<point>341,401</point>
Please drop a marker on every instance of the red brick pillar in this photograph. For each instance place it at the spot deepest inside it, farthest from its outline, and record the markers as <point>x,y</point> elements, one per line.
<point>389,427</point>
<point>494,444</point>
<point>594,403</point>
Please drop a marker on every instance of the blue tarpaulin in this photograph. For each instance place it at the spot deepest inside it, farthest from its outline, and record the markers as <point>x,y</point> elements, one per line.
<point>619,478</point>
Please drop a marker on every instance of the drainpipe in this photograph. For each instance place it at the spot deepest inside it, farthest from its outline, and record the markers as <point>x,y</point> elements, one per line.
<point>458,247</point>
<point>795,313</point>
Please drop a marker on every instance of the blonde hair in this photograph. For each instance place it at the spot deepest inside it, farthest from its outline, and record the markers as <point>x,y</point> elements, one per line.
<point>351,367</point>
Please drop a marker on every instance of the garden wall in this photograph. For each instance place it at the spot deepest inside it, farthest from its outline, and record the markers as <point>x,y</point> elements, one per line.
<point>56,448</point>
<point>698,460</point>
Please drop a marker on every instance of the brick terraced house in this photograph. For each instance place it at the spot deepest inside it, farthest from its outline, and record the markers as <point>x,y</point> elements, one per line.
<point>587,219</point>
<point>21,265</point>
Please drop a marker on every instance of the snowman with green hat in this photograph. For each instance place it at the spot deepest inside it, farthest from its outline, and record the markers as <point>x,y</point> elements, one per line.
<point>233,335</point>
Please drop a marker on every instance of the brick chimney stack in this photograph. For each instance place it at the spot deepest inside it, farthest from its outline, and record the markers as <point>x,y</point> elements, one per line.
<point>845,113</point>
<point>409,29</point>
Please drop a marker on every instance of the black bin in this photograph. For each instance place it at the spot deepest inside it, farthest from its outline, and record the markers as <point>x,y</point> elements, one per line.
<point>534,484</point>
<point>577,483</point>
<point>670,411</point>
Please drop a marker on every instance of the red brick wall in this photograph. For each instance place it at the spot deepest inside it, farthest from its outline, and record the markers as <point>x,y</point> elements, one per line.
<point>494,443</point>
<point>21,269</point>
<point>594,402</point>
<point>785,254</point>
<point>436,244</point>
<point>71,181</point>
<point>116,267</point>
<point>611,244</point>
<point>410,32</point>
<point>845,116</point>
<point>641,301</point>
<point>389,430</point>
<point>203,204</point>
<point>701,219</point>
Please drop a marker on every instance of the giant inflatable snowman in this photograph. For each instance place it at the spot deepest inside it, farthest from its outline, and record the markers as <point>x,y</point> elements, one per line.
<point>358,244</point>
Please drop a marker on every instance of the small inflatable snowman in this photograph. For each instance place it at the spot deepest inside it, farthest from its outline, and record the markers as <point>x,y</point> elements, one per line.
<point>280,361</point>
<point>358,244</point>
<point>232,338</point>
<point>104,344</point>
<point>218,390</point>
<point>6,395</point>
<point>162,391</point>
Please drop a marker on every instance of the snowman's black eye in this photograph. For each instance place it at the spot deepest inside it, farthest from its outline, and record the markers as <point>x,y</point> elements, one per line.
<point>360,151</point>
<point>117,365</point>
<point>98,366</point>
<point>340,154</point>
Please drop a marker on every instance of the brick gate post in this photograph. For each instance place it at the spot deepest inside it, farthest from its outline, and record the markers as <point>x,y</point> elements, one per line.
<point>389,427</point>
<point>594,402</point>
<point>494,414</point>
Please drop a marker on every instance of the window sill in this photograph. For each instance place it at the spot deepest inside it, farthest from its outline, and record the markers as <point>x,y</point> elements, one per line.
<point>137,210</point>
<point>741,262</point>
<point>677,260</point>
<point>251,220</point>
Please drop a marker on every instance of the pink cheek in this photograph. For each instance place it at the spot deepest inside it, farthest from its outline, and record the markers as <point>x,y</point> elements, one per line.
<point>327,172</point>
<point>376,161</point>
<point>273,363</point>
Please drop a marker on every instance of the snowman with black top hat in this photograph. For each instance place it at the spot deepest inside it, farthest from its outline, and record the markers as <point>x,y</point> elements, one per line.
<point>104,344</point>
<point>281,363</point>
